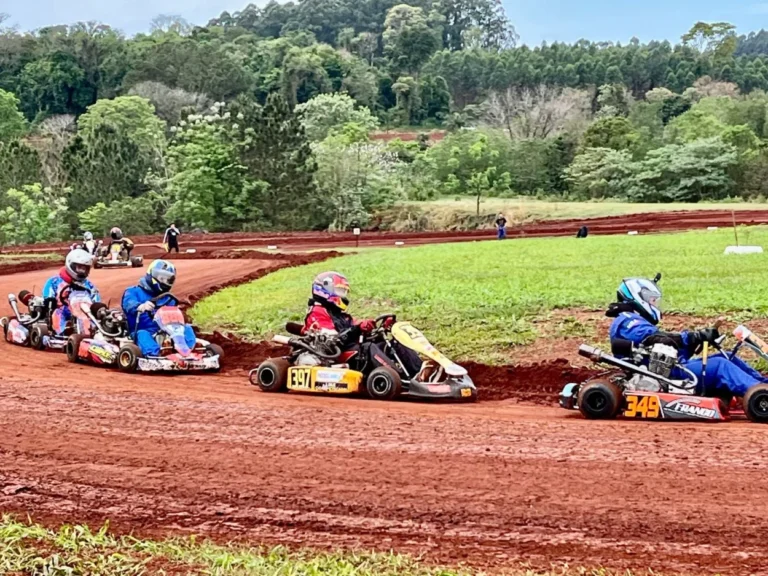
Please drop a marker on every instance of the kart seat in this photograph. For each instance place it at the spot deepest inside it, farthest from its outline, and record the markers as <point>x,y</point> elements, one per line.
<point>621,347</point>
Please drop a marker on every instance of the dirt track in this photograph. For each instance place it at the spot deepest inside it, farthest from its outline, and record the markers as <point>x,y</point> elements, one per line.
<point>149,246</point>
<point>488,484</point>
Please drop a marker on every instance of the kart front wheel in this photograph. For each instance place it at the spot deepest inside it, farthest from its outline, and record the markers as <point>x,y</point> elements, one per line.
<point>756,404</point>
<point>37,336</point>
<point>272,375</point>
<point>128,358</point>
<point>4,322</point>
<point>384,383</point>
<point>73,347</point>
<point>599,400</point>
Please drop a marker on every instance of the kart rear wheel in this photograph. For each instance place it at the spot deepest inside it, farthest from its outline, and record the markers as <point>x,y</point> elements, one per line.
<point>756,404</point>
<point>272,375</point>
<point>599,400</point>
<point>73,347</point>
<point>137,261</point>
<point>384,383</point>
<point>128,358</point>
<point>4,323</point>
<point>37,336</point>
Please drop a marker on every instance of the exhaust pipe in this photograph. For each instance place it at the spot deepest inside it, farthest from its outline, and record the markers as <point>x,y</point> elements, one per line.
<point>14,306</point>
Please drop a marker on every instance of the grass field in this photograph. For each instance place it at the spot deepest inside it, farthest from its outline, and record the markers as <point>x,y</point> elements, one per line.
<point>478,299</point>
<point>452,214</point>
<point>19,258</point>
<point>27,548</point>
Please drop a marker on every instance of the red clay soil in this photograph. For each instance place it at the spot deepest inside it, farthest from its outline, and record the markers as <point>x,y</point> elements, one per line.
<point>642,223</point>
<point>17,267</point>
<point>490,484</point>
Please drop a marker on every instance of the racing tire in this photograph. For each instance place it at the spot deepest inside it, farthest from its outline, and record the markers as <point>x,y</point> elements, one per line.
<point>384,383</point>
<point>4,323</point>
<point>137,261</point>
<point>756,404</point>
<point>128,358</point>
<point>72,347</point>
<point>97,265</point>
<point>37,336</point>
<point>272,375</point>
<point>215,350</point>
<point>600,400</point>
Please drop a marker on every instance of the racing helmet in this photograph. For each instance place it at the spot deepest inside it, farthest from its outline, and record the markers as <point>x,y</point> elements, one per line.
<point>116,233</point>
<point>78,264</point>
<point>333,288</point>
<point>160,277</point>
<point>643,295</point>
<point>88,236</point>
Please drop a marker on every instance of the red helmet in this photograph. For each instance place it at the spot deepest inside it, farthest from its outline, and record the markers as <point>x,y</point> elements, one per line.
<point>333,288</point>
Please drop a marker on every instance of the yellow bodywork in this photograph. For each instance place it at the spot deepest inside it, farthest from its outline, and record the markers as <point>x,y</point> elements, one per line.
<point>324,380</point>
<point>412,338</point>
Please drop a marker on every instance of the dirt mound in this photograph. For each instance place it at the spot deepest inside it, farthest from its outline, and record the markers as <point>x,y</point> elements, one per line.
<point>241,355</point>
<point>539,383</point>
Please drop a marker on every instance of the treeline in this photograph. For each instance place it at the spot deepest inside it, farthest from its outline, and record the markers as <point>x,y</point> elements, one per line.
<point>263,118</point>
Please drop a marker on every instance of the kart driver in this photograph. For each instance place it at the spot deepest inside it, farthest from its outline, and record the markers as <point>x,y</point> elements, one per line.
<point>74,275</point>
<point>140,302</point>
<point>637,314</point>
<point>116,235</point>
<point>327,313</point>
<point>87,237</point>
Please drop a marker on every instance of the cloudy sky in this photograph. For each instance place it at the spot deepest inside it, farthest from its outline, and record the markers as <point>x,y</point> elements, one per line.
<point>536,20</point>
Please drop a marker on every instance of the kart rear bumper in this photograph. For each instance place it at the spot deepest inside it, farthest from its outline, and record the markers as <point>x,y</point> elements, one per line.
<point>459,389</point>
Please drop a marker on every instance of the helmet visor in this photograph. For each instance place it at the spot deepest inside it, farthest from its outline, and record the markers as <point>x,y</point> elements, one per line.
<point>81,270</point>
<point>652,297</point>
<point>165,277</point>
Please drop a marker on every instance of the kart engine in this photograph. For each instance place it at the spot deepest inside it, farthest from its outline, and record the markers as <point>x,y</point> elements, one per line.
<point>662,359</point>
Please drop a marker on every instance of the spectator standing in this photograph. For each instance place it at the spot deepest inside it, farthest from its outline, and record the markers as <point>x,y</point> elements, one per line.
<point>171,239</point>
<point>501,227</point>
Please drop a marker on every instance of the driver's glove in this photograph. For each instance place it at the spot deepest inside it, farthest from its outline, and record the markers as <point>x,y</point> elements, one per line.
<point>367,326</point>
<point>146,307</point>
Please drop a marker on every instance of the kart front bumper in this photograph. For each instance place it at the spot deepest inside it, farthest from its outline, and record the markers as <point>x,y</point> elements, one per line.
<point>459,389</point>
<point>208,363</point>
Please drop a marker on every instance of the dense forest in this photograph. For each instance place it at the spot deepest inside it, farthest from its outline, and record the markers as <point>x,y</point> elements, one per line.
<point>262,119</point>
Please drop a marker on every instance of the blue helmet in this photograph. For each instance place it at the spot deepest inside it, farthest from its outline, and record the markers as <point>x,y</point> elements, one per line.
<point>159,278</point>
<point>643,295</point>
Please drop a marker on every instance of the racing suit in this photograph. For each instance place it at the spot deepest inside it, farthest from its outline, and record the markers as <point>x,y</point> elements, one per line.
<point>726,377</point>
<point>142,326</point>
<point>364,357</point>
<point>55,290</point>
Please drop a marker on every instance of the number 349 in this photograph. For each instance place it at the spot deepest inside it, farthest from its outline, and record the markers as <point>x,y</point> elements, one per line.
<point>642,407</point>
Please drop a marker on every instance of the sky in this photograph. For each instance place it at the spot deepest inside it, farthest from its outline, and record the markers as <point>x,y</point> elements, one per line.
<point>535,20</point>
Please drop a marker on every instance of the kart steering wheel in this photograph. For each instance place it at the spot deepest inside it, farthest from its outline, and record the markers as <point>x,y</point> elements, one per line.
<point>379,322</point>
<point>178,300</point>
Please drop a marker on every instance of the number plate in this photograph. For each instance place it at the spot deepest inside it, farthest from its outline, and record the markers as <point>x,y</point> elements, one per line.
<point>300,378</point>
<point>645,407</point>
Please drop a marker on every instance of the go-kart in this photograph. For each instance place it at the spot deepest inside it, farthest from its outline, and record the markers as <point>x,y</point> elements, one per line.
<point>116,256</point>
<point>316,364</point>
<point>109,334</point>
<point>641,387</point>
<point>35,327</point>
<point>175,355</point>
<point>90,246</point>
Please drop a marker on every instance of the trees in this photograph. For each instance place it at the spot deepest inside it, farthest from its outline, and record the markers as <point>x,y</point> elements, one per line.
<point>32,214</point>
<point>327,112</point>
<point>12,123</point>
<point>537,112</point>
<point>408,39</point>
<point>613,132</point>
<point>600,173</point>
<point>169,103</point>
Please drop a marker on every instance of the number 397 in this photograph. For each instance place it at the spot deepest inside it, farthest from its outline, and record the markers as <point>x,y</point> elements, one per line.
<point>642,407</point>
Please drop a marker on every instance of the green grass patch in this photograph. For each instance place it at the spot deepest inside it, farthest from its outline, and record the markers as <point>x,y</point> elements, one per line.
<point>18,258</point>
<point>30,549</point>
<point>461,214</point>
<point>477,299</point>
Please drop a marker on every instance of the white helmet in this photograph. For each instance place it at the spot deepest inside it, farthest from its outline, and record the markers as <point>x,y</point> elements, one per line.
<point>78,264</point>
<point>643,295</point>
<point>88,236</point>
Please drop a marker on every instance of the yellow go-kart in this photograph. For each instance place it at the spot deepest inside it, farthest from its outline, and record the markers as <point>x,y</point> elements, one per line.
<point>318,365</point>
